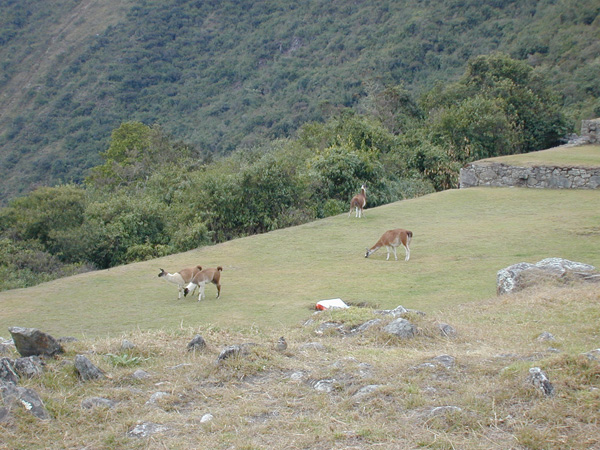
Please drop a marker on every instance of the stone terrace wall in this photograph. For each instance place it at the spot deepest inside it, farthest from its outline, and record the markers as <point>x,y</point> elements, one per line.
<point>546,177</point>
<point>590,131</point>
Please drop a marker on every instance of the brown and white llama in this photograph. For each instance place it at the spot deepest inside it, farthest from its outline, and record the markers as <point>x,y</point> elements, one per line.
<point>392,239</point>
<point>181,278</point>
<point>201,278</point>
<point>359,201</point>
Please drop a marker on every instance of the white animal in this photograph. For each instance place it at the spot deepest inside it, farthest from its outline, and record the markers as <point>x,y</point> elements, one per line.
<point>201,278</point>
<point>181,278</point>
<point>392,239</point>
<point>359,201</point>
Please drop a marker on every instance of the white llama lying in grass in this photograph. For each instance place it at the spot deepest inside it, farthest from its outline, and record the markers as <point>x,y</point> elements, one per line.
<point>181,278</point>
<point>201,278</point>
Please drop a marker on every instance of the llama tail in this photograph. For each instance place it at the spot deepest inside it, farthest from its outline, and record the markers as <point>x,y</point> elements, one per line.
<point>219,268</point>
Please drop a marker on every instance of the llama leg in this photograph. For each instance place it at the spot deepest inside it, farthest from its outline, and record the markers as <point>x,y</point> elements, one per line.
<point>387,248</point>
<point>395,254</point>
<point>407,253</point>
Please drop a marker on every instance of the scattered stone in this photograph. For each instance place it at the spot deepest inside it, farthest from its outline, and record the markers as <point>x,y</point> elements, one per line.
<point>593,355</point>
<point>67,339</point>
<point>31,341</point>
<point>197,343</point>
<point>206,418</point>
<point>156,397</point>
<point>522,275</point>
<point>127,345</point>
<point>313,346</point>
<point>140,374</point>
<point>539,379</point>
<point>297,376</point>
<point>27,398</point>
<point>323,385</point>
<point>446,361</point>
<point>97,402</point>
<point>545,336</point>
<point>7,371</point>
<point>326,326</point>
<point>401,328</point>
<point>87,370</point>
<point>29,367</point>
<point>145,429</point>
<point>4,415</point>
<point>447,330</point>
<point>234,350</point>
<point>366,390</point>
<point>396,312</point>
<point>365,326</point>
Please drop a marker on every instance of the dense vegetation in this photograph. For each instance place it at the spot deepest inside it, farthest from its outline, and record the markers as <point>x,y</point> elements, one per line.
<point>224,75</point>
<point>154,195</point>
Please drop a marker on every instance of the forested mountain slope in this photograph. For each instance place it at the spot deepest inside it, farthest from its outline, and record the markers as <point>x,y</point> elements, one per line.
<point>220,74</point>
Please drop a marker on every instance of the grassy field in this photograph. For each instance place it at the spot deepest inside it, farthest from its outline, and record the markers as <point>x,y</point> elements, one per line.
<point>384,392</point>
<point>461,239</point>
<point>578,156</point>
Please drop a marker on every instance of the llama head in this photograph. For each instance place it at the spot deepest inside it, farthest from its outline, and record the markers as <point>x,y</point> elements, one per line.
<point>162,273</point>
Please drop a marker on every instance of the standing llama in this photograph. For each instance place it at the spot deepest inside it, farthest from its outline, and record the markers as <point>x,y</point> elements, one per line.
<point>201,278</point>
<point>359,201</point>
<point>392,239</point>
<point>181,278</point>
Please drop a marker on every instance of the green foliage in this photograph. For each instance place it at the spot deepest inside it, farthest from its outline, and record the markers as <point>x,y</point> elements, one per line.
<point>221,75</point>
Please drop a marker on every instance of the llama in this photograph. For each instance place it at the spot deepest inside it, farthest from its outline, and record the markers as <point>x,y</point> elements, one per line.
<point>201,278</point>
<point>393,239</point>
<point>359,201</point>
<point>181,278</point>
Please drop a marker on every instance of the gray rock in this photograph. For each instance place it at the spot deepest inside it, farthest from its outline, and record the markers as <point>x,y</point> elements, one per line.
<point>29,367</point>
<point>401,328</point>
<point>545,336</point>
<point>313,346</point>
<point>25,397</point>
<point>447,330</point>
<point>140,374</point>
<point>31,341</point>
<point>539,380</point>
<point>234,350</point>
<point>97,402</point>
<point>593,355</point>
<point>521,275</point>
<point>365,326</point>
<point>197,343</point>
<point>87,370</point>
<point>127,345</point>
<point>7,371</point>
<point>445,360</point>
<point>145,429</point>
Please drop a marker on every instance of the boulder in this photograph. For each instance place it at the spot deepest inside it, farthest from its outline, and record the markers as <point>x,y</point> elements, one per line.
<point>197,343</point>
<point>7,371</point>
<point>522,275</point>
<point>25,397</point>
<point>87,370</point>
<point>402,328</point>
<point>29,367</point>
<point>33,342</point>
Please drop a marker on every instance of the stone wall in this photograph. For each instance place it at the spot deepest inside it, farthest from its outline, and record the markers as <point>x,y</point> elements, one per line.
<point>590,131</point>
<point>544,177</point>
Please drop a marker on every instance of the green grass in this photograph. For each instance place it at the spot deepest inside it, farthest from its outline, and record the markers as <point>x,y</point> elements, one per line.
<point>461,239</point>
<point>579,156</point>
<point>270,285</point>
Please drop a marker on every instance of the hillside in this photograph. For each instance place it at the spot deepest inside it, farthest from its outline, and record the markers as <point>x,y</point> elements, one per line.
<point>223,74</point>
<point>332,389</point>
<point>461,239</point>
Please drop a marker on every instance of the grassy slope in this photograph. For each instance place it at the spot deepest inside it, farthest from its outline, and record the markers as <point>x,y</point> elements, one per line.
<point>461,239</point>
<point>578,156</point>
